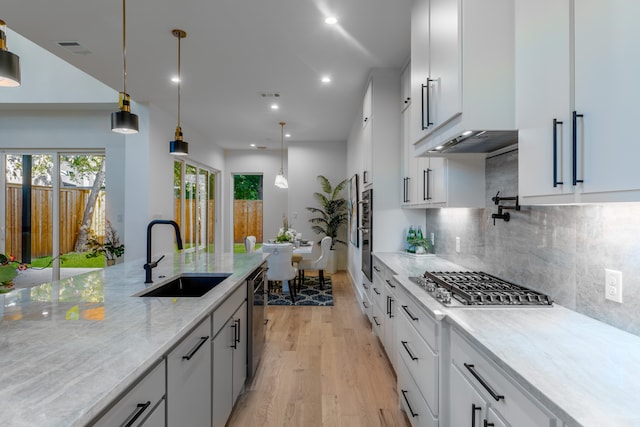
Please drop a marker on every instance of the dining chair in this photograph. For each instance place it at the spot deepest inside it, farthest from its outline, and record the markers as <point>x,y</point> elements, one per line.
<point>279,266</point>
<point>250,244</point>
<point>319,263</point>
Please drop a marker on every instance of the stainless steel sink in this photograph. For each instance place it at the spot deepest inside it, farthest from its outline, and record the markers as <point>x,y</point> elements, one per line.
<point>187,286</point>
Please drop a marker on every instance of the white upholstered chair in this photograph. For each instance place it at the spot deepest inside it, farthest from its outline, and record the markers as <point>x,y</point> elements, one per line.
<point>250,244</point>
<point>319,263</point>
<point>279,266</point>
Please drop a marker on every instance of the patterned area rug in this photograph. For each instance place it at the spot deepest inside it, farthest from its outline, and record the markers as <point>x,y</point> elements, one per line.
<point>309,293</point>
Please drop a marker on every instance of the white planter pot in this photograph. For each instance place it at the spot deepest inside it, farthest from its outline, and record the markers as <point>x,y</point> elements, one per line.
<point>331,262</point>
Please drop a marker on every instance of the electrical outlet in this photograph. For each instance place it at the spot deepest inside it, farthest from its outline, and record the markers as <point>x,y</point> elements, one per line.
<point>613,285</point>
<point>457,244</point>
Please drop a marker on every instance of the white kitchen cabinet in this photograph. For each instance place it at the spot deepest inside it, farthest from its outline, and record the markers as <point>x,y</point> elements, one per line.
<point>390,323</point>
<point>462,69</point>
<point>143,405</point>
<point>479,390</point>
<point>229,355</point>
<point>367,136</point>
<point>411,400</point>
<point>189,378</point>
<point>455,181</point>
<point>595,156</point>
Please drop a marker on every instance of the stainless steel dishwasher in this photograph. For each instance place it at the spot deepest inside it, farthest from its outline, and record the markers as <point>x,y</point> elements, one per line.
<point>257,313</point>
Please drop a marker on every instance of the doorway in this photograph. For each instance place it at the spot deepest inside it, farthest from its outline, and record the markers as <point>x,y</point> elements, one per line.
<point>247,209</point>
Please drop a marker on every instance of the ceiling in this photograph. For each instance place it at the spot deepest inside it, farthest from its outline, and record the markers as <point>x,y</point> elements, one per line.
<point>235,51</point>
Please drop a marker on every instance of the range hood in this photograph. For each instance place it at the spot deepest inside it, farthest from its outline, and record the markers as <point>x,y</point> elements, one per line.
<point>484,141</point>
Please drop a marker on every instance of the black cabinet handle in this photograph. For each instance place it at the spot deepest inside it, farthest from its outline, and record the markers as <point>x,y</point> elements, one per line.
<point>388,306</point>
<point>196,348</point>
<point>556,122</point>
<point>575,148</point>
<point>488,424</point>
<point>425,184</point>
<point>375,319</point>
<point>404,394</point>
<point>364,285</point>
<point>235,334</point>
<point>389,283</point>
<point>365,177</point>
<point>404,344</point>
<point>428,123</point>
<point>474,408</point>
<point>237,337</point>
<point>405,190</point>
<point>411,316</point>
<point>376,291</point>
<point>375,267</point>
<point>471,368</point>
<point>364,303</point>
<point>140,408</point>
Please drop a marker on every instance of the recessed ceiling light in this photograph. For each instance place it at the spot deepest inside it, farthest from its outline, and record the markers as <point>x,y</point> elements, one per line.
<point>331,20</point>
<point>274,106</point>
<point>467,132</point>
<point>175,79</point>
<point>326,79</point>
<point>252,145</point>
<point>287,135</point>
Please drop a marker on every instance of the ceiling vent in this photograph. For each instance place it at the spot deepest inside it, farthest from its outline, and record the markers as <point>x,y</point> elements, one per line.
<point>270,94</point>
<point>75,48</point>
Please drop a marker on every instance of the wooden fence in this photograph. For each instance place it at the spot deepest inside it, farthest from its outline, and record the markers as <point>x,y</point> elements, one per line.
<point>247,220</point>
<point>72,204</point>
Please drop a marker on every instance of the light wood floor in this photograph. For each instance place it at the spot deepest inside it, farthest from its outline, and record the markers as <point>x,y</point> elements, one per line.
<point>321,367</point>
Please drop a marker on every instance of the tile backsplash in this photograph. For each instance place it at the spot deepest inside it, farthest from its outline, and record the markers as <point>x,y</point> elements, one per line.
<point>559,250</point>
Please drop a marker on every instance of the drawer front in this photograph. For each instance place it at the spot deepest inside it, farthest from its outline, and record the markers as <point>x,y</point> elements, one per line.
<point>378,294</point>
<point>228,307</point>
<point>421,361</point>
<point>412,401</point>
<point>427,326</point>
<point>503,394</point>
<point>150,389</point>
<point>379,267</point>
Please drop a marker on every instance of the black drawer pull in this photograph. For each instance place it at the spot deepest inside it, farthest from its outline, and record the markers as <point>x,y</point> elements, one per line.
<point>474,408</point>
<point>488,424</point>
<point>389,283</point>
<point>375,319</point>
<point>364,303</point>
<point>575,116</point>
<point>375,267</point>
<point>140,408</point>
<point>196,348</point>
<point>404,344</point>
<point>404,394</point>
<point>376,291</point>
<point>471,368</point>
<point>556,122</point>
<point>411,316</point>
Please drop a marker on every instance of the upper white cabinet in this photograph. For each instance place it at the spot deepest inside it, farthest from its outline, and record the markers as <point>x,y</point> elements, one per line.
<point>405,87</point>
<point>576,125</point>
<point>462,69</point>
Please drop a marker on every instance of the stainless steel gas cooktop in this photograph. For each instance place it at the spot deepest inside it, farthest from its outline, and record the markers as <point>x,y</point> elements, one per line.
<point>478,289</point>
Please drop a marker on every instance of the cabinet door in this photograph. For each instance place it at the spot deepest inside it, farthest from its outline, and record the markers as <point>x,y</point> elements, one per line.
<point>419,69</point>
<point>467,407</point>
<point>156,418</point>
<point>189,379</point>
<point>409,162</point>
<point>606,94</point>
<point>240,351</point>
<point>493,420</point>
<point>223,373</point>
<point>405,87</point>
<point>543,85</point>
<point>367,105</point>
<point>445,59</point>
<point>434,180</point>
<point>367,154</point>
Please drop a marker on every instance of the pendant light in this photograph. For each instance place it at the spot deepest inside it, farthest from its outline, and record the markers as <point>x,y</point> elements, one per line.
<point>9,62</point>
<point>123,121</point>
<point>281,180</point>
<point>178,147</point>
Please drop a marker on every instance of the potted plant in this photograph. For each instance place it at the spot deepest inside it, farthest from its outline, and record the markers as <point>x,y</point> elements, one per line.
<point>421,245</point>
<point>111,248</point>
<point>331,215</point>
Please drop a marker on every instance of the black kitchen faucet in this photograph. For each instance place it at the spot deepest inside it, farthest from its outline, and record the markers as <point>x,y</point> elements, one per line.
<point>150,265</point>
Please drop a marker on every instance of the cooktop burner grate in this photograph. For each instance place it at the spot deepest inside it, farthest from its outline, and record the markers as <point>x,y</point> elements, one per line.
<point>472,288</point>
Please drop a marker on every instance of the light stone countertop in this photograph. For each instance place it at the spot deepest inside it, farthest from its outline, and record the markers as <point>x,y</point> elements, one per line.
<point>583,370</point>
<point>69,348</point>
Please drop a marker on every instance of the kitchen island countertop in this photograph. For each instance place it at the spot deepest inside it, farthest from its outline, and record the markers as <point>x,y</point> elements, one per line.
<point>69,348</point>
<point>583,370</point>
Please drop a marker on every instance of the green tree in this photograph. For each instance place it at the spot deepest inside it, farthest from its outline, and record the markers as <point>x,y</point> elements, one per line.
<point>247,187</point>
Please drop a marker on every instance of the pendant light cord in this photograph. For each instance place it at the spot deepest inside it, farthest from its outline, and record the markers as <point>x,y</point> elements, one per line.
<point>124,45</point>
<point>282,148</point>
<point>179,80</point>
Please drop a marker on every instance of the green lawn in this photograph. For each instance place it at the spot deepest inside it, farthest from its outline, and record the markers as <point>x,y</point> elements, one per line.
<point>238,248</point>
<point>71,260</point>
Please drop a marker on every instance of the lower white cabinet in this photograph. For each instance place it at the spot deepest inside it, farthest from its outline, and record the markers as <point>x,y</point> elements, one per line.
<point>143,405</point>
<point>189,379</point>
<point>229,356</point>
<point>412,401</point>
<point>481,394</point>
